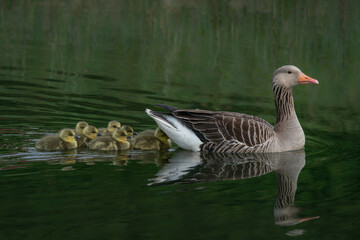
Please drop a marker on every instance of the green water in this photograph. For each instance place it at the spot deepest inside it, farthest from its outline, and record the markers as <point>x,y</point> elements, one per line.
<point>66,61</point>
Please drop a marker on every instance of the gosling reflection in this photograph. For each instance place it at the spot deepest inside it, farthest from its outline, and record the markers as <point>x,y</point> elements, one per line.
<point>187,166</point>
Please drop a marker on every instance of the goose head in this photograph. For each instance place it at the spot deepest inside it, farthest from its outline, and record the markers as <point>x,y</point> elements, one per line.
<point>120,135</point>
<point>112,126</point>
<point>289,76</point>
<point>90,132</point>
<point>80,126</point>
<point>68,136</point>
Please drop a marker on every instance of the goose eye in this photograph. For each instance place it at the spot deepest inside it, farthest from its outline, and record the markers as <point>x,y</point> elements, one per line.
<point>289,72</point>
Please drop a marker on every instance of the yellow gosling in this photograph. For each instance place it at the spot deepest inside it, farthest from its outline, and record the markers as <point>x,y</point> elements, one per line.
<point>62,141</point>
<point>129,130</point>
<point>158,141</point>
<point>90,133</point>
<point>116,142</point>
<point>80,126</point>
<point>112,126</point>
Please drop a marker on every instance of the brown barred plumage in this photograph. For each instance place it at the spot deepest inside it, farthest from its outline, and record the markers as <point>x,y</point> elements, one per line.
<point>227,131</point>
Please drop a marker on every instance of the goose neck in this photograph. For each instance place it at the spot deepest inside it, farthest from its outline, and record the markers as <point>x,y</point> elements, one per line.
<point>289,132</point>
<point>284,104</point>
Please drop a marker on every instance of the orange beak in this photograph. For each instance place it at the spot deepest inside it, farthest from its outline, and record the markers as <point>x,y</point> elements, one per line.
<point>303,79</point>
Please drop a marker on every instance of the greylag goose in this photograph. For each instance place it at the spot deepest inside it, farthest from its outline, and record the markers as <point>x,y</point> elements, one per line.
<point>66,139</point>
<point>112,126</point>
<point>117,141</point>
<point>201,130</point>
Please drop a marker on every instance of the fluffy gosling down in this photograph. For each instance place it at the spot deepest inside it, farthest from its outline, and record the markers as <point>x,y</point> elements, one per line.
<point>89,133</point>
<point>130,131</point>
<point>62,141</point>
<point>115,142</point>
<point>112,126</point>
<point>156,141</point>
<point>146,132</point>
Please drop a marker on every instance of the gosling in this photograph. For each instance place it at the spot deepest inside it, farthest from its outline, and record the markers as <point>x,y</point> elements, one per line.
<point>89,134</point>
<point>66,139</point>
<point>158,141</point>
<point>80,126</point>
<point>116,142</point>
<point>112,126</point>
<point>130,132</point>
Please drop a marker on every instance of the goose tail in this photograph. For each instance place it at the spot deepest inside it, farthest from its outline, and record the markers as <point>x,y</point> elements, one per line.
<point>160,119</point>
<point>176,130</point>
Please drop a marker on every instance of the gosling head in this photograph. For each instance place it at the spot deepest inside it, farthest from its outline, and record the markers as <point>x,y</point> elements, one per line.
<point>80,126</point>
<point>90,132</point>
<point>129,130</point>
<point>120,135</point>
<point>112,126</point>
<point>68,136</point>
<point>161,135</point>
<point>289,76</point>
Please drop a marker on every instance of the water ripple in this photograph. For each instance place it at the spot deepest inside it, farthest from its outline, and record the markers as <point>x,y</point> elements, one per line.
<point>320,142</point>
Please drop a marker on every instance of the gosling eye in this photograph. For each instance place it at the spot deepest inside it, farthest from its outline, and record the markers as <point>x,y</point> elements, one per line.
<point>123,134</point>
<point>114,126</point>
<point>70,134</point>
<point>289,72</point>
<point>93,132</point>
<point>82,127</point>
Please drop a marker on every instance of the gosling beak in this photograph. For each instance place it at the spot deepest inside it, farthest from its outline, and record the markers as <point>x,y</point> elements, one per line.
<point>98,134</point>
<point>128,137</point>
<point>76,137</point>
<point>303,79</point>
<point>134,133</point>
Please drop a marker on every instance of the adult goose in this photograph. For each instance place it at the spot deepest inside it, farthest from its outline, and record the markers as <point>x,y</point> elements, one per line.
<point>201,130</point>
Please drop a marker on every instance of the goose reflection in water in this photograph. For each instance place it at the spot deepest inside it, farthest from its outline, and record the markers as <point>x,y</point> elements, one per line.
<point>186,166</point>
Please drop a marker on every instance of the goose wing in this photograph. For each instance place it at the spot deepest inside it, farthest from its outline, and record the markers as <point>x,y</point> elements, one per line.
<point>221,127</point>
